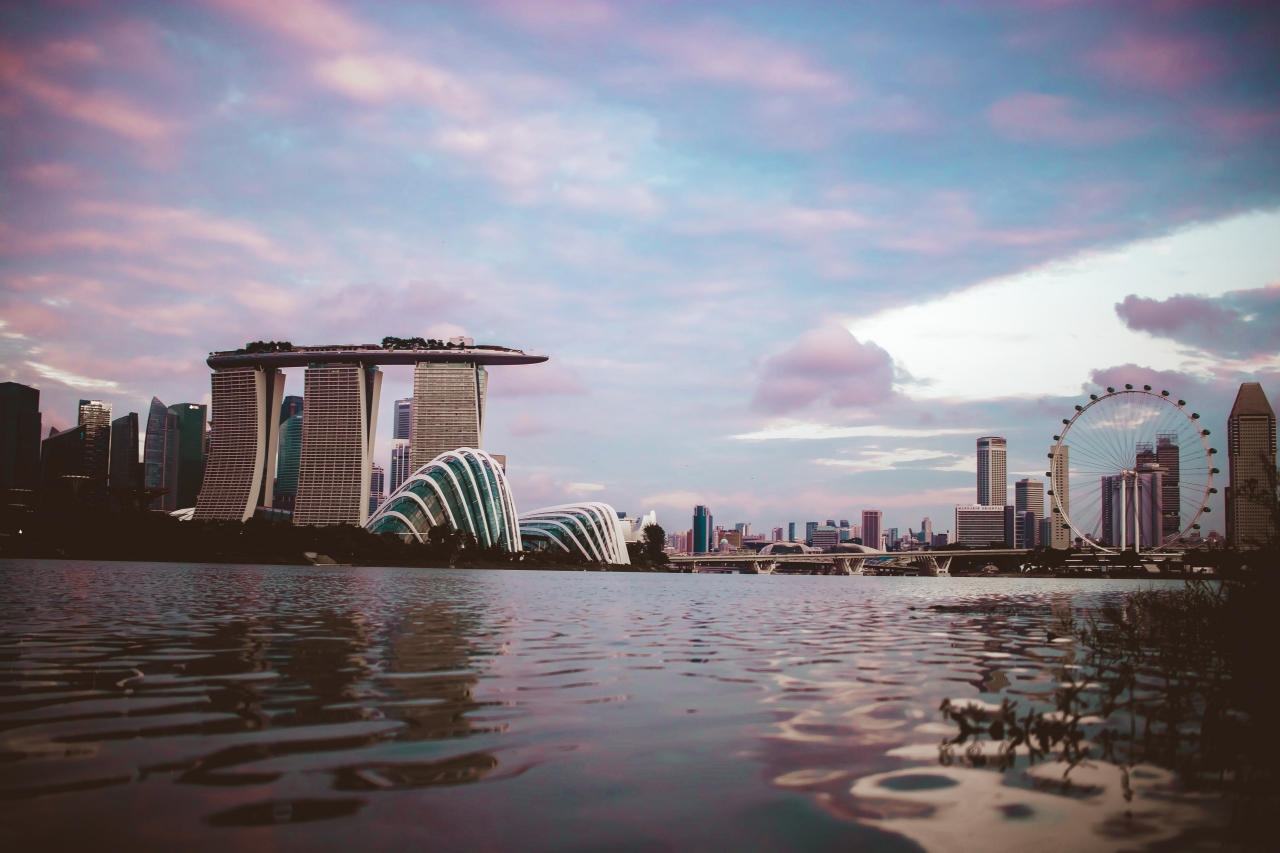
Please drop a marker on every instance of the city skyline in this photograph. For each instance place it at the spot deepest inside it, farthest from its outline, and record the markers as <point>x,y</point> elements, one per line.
<point>944,248</point>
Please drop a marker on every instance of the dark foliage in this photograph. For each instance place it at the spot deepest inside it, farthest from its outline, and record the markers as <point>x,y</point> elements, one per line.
<point>151,536</point>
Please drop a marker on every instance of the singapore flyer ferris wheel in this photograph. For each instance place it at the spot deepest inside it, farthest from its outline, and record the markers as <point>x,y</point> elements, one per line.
<point>1131,469</point>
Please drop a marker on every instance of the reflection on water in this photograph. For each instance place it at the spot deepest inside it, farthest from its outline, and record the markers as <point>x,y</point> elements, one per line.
<point>213,706</point>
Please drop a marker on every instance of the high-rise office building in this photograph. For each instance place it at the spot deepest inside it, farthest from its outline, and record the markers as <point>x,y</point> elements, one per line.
<point>402,425</point>
<point>776,534</point>
<point>401,449</point>
<point>291,405</point>
<point>809,527</point>
<point>377,482</point>
<point>825,536</point>
<point>1131,508</point>
<point>160,455</point>
<point>980,525</point>
<point>1170,462</point>
<point>926,531</point>
<point>872,519</point>
<point>743,527</point>
<point>1028,496</point>
<point>993,477</point>
<point>19,437</point>
<point>448,410</point>
<point>1251,460</point>
<point>891,537</point>
<point>1045,531</point>
<point>1026,535</point>
<point>95,417</point>
<point>338,429</point>
<point>287,462</point>
<point>126,470</point>
<point>702,529</point>
<point>245,428</point>
<point>791,531</point>
<point>63,466</point>
<point>1059,499</point>
<point>192,418</point>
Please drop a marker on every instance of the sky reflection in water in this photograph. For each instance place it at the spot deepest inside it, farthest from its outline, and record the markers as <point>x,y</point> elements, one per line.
<point>214,706</point>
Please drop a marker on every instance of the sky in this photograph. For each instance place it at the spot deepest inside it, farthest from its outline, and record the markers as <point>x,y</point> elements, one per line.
<point>787,260</point>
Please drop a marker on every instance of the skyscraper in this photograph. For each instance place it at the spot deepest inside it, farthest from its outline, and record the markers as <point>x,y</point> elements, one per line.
<point>1251,460</point>
<point>290,457</point>
<point>1131,511</point>
<point>126,471</point>
<point>926,531</point>
<point>448,410</point>
<point>993,477</point>
<point>377,478</point>
<point>401,448</point>
<point>1028,496</point>
<point>95,417</point>
<point>777,534</point>
<point>63,457</point>
<point>290,406</point>
<point>791,531</point>
<point>1170,462</point>
<point>871,523</point>
<point>160,455</point>
<point>19,437</point>
<point>702,529</point>
<point>980,525</point>
<point>1060,498</point>
<point>809,527</point>
<point>402,425</point>
<point>338,429</point>
<point>192,418</point>
<point>242,442</point>
<point>1028,529</point>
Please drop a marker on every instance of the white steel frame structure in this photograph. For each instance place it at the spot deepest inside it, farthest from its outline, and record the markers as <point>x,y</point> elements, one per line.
<point>464,489</point>
<point>1122,443</point>
<point>589,528</point>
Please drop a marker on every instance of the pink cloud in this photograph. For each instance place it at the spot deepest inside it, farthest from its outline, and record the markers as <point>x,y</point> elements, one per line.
<point>104,110</point>
<point>1034,117</point>
<point>1240,323</point>
<point>827,364</point>
<point>717,54</point>
<point>1154,61</point>
<point>314,23</point>
<point>373,78</point>
<point>1237,125</point>
<point>61,176</point>
<point>551,378</point>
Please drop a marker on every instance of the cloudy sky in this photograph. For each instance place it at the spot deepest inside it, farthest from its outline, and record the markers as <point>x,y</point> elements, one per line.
<point>788,260</point>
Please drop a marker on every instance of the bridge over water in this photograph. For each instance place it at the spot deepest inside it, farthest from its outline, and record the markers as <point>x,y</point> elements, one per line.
<point>925,563</point>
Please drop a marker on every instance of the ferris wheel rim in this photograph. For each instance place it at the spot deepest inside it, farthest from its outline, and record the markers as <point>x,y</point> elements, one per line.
<point>1163,397</point>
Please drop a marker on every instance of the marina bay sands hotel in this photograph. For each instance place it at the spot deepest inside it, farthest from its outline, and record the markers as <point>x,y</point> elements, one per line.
<point>342,386</point>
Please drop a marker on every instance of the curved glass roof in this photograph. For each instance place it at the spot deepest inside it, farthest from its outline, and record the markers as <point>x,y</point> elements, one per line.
<point>587,529</point>
<point>464,489</point>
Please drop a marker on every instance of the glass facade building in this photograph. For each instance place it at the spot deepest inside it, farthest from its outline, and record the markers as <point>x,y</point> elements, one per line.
<point>463,489</point>
<point>19,436</point>
<point>192,418</point>
<point>160,457</point>
<point>126,470</point>
<point>702,529</point>
<point>587,529</point>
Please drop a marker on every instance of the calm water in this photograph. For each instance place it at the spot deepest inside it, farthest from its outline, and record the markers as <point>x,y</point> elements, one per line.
<point>153,706</point>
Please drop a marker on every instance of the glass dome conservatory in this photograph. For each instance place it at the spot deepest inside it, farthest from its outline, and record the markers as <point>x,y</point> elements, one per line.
<point>588,529</point>
<point>464,489</point>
